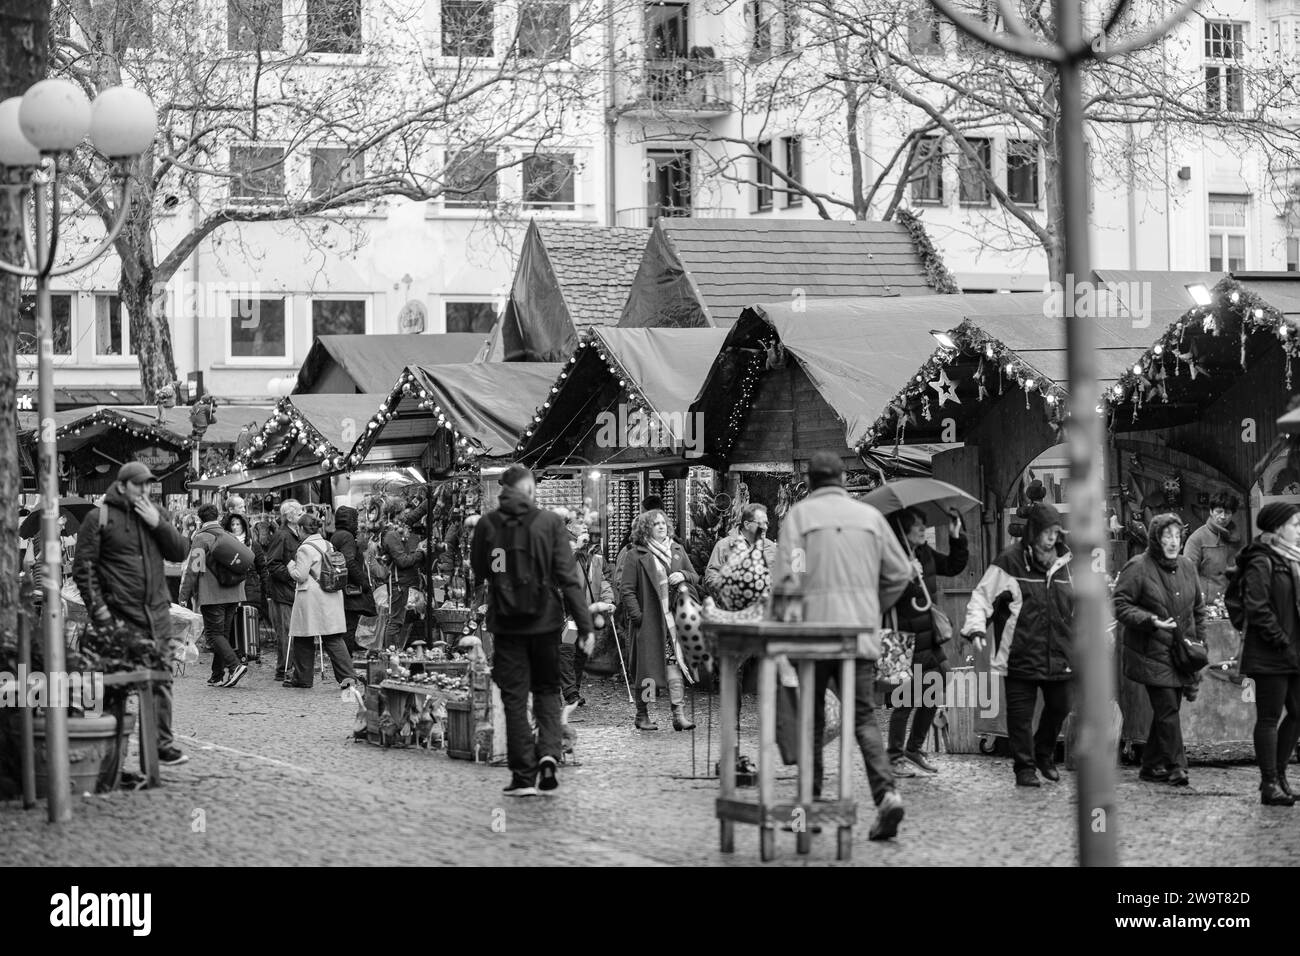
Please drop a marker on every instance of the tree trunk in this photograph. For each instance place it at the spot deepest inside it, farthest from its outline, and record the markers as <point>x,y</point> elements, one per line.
<point>24,47</point>
<point>1053,246</point>
<point>144,293</point>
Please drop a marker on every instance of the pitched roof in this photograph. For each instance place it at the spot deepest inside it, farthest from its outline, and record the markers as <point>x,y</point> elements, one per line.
<point>735,263</point>
<point>594,265</point>
<point>374,362</point>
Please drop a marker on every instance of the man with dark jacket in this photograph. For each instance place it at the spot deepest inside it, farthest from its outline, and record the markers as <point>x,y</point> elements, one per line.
<point>525,556</point>
<point>1027,594</point>
<point>280,585</point>
<point>404,553</point>
<point>119,572</point>
<point>218,603</point>
<point>358,596</point>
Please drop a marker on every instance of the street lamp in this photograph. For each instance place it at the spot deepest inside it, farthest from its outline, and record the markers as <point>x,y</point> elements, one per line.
<point>36,130</point>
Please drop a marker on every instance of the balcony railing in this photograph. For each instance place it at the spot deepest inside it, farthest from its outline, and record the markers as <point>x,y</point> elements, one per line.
<point>689,85</point>
<point>643,216</point>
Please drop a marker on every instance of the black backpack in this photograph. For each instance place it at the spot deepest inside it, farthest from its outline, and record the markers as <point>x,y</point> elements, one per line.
<point>517,583</point>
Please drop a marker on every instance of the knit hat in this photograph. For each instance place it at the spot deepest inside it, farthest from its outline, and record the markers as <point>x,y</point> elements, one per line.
<point>1040,517</point>
<point>1273,516</point>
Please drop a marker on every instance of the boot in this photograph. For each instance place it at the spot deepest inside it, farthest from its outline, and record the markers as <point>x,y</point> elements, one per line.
<point>1283,784</point>
<point>680,720</point>
<point>643,721</point>
<point>1271,795</point>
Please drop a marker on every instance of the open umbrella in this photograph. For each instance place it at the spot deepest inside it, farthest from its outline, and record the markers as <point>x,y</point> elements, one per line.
<point>74,509</point>
<point>933,498</point>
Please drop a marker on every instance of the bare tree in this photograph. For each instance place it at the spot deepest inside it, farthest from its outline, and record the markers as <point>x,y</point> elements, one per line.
<point>265,117</point>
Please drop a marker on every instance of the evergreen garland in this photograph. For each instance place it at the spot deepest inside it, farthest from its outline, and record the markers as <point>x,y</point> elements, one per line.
<point>936,273</point>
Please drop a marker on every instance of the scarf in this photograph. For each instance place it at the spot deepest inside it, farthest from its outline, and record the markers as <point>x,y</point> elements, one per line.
<point>663,560</point>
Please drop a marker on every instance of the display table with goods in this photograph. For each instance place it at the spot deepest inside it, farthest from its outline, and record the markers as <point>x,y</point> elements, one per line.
<point>803,645</point>
<point>414,700</point>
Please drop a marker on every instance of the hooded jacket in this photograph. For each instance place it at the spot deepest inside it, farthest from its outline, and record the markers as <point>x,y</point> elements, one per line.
<point>1148,591</point>
<point>119,566</point>
<point>1271,642</point>
<point>344,540</point>
<point>548,542</point>
<point>1030,607</point>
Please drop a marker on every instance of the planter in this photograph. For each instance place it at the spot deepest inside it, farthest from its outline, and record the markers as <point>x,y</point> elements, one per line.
<point>95,751</point>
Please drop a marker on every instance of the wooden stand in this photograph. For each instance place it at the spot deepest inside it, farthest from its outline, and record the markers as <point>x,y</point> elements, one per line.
<point>141,684</point>
<point>805,644</point>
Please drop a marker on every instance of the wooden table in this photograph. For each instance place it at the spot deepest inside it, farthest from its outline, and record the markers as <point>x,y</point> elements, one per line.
<point>141,683</point>
<point>804,644</point>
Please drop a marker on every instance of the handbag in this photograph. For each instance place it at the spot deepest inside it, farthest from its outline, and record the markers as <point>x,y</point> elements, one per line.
<point>1188,656</point>
<point>894,665</point>
<point>942,626</point>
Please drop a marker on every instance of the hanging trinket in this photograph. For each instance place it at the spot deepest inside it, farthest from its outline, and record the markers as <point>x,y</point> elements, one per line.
<point>1289,358</point>
<point>1243,346</point>
<point>925,407</point>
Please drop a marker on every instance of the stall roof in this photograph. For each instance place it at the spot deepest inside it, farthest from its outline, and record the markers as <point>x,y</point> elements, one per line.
<point>489,403</point>
<point>1161,291</point>
<point>705,272</point>
<point>175,427</point>
<point>228,480</point>
<point>269,479</point>
<point>371,363</point>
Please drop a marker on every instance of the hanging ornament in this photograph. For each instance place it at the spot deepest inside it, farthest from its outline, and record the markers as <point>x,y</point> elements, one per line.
<point>945,389</point>
<point>1209,325</point>
<point>925,406</point>
<point>1243,346</point>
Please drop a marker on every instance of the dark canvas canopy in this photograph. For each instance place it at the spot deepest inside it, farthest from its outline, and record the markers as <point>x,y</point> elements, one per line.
<point>371,363</point>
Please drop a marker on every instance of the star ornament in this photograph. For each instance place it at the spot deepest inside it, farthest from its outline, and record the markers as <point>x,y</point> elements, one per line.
<point>945,389</point>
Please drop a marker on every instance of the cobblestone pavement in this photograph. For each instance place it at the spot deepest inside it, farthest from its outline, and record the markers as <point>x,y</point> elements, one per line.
<point>275,779</point>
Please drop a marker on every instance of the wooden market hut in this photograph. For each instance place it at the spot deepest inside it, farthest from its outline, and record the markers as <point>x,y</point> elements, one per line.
<point>703,273</point>
<point>571,276</point>
<point>369,364</point>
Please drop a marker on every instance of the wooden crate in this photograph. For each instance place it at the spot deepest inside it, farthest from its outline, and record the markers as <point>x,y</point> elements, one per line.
<point>459,733</point>
<point>962,738</point>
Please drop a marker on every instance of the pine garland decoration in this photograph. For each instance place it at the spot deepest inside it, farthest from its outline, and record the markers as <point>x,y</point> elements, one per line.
<point>936,273</point>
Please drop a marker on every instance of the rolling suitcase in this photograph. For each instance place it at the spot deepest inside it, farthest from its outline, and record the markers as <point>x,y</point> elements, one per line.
<point>248,642</point>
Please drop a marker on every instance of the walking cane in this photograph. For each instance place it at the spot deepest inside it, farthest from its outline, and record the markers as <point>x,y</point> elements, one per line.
<point>618,646</point>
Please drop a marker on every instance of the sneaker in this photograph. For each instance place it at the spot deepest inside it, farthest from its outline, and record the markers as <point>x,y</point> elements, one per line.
<point>171,757</point>
<point>547,778</point>
<point>520,787</point>
<point>918,758</point>
<point>235,674</point>
<point>888,816</point>
<point>217,680</point>
<point>902,768</point>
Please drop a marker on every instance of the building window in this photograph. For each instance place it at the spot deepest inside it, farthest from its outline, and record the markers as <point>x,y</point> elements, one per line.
<point>112,326</point>
<point>544,31</point>
<point>927,171</point>
<point>973,174</point>
<point>1224,50</point>
<point>255,24</point>
<point>1228,233</point>
<point>471,316</point>
<point>334,26</point>
<point>1022,171</point>
<point>470,178</point>
<point>467,27</point>
<point>762,24</point>
<point>924,34</point>
<point>334,169</point>
<point>257,174</point>
<point>1292,254</point>
<point>548,181</point>
<point>794,169</point>
<point>338,317</point>
<point>985,11</point>
<point>60,310</point>
<point>259,330</point>
<point>763,176</point>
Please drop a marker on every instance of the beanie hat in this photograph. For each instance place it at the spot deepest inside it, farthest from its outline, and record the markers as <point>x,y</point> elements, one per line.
<point>1273,516</point>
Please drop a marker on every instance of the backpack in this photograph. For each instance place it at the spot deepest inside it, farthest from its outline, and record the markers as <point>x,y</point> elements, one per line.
<point>333,574</point>
<point>229,559</point>
<point>518,589</point>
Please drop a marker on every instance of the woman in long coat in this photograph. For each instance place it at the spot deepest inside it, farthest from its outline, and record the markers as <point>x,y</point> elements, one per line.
<point>316,613</point>
<point>1158,600</point>
<point>655,567</point>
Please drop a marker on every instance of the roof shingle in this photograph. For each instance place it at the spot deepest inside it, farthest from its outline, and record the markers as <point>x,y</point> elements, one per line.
<point>594,266</point>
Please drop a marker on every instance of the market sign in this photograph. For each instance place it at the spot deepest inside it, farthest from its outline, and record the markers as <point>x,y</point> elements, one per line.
<point>157,459</point>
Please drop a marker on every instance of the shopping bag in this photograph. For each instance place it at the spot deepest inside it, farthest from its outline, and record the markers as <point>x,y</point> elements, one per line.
<point>370,630</point>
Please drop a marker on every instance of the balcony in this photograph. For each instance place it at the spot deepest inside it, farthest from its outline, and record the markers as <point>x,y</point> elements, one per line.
<point>644,216</point>
<point>688,87</point>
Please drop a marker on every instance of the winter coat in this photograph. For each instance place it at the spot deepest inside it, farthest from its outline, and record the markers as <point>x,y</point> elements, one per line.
<point>315,612</point>
<point>344,540</point>
<point>595,585</point>
<point>844,556</point>
<point>1272,638</point>
<point>1146,592</point>
<point>1211,553</point>
<point>404,556</point>
<point>1032,612</point>
<point>203,584</point>
<point>639,591</point>
<point>280,585</point>
<point>926,652</point>
<point>120,565</point>
<point>548,543</point>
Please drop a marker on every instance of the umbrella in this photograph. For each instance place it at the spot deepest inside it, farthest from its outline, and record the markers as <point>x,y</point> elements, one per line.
<point>74,509</point>
<point>933,498</point>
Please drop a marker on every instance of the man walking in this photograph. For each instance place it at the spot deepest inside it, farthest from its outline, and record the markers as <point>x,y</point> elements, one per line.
<point>843,557</point>
<point>281,587</point>
<point>218,603</point>
<point>524,555</point>
<point>119,571</point>
<point>599,595</point>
